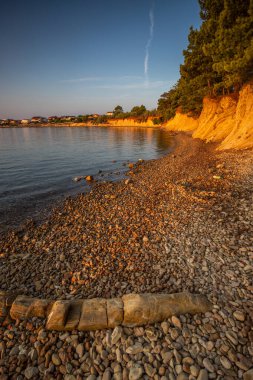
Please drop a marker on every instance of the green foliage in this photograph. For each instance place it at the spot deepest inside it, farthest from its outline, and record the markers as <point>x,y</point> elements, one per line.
<point>82,118</point>
<point>138,110</point>
<point>158,120</point>
<point>103,119</point>
<point>118,110</point>
<point>218,59</point>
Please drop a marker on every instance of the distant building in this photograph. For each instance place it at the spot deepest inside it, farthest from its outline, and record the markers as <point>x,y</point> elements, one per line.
<point>68,118</point>
<point>25,121</point>
<point>110,113</point>
<point>53,118</point>
<point>38,119</point>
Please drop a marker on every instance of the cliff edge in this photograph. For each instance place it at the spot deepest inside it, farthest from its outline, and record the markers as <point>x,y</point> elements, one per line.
<point>228,120</point>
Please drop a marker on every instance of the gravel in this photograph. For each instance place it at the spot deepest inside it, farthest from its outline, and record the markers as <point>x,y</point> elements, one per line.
<point>173,227</point>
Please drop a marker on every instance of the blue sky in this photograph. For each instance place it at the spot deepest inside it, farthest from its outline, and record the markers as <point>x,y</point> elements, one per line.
<point>86,56</point>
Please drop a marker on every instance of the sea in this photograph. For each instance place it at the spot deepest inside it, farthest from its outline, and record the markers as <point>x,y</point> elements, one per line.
<point>38,164</point>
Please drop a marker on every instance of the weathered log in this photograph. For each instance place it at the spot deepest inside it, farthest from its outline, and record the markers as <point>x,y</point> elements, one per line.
<point>99,313</point>
<point>94,315</point>
<point>6,300</point>
<point>74,315</point>
<point>25,307</point>
<point>58,315</point>
<point>115,312</point>
<point>140,309</point>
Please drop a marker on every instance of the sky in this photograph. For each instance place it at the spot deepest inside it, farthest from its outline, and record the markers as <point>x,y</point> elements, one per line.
<point>71,57</point>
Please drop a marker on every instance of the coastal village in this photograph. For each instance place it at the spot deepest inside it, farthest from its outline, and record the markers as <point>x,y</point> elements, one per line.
<point>51,119</point>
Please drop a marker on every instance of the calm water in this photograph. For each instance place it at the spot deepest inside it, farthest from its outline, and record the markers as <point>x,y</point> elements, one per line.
<point>37,165</point>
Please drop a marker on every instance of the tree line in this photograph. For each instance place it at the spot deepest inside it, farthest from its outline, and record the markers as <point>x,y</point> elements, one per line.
<point>218,59</point>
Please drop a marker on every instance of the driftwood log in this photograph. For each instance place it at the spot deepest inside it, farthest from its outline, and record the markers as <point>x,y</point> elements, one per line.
<point>99,313</point>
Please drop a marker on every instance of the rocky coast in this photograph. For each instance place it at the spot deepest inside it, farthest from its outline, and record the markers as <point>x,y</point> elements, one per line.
<point>180,223</point>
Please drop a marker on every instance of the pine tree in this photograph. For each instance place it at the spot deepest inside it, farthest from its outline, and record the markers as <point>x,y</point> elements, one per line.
<point>218,59</point>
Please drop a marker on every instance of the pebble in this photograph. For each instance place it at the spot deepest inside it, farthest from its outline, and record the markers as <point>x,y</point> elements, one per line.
<point>80,350</point>
<point>208,365</point>
<point>225,362</point>
<point>239,315</point>
<point>135,349</point>
<point>203,375</point>
<point>135,372</point>
<point>56,360</point>
<point>92,246</point>
<point>31,372</point>
<point>176,322</point>
<point>116,335</point>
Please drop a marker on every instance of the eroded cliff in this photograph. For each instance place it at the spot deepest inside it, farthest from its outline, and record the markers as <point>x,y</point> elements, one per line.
<point>228,120</point>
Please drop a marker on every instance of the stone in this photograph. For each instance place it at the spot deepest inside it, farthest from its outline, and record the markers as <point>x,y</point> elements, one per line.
<point>33,354</point>
<point>31,372</point>
<point>165,327</point>
<point>56,360</point>
<point>58,315</point>
<point>208,365</point>
<point>182,376</point>
<point>239,315</point>
<point>176,322</point>
<point>135,372</point>
<point>203,375</point>
<point>107,375</point>
<point>167,356</point>
<point>116,335</point>
<point>248,375</point>
<point>194,370</point>
<point>150,371</point>
<point>225,362</point>
<point>14,351</point>
<point>146,308</point>
<point>135,349</point>
<point>80,350</point>
<point>232,337</point>
<point>89,178</point>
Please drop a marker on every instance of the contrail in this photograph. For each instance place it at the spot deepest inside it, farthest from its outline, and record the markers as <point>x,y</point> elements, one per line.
<point>151,33</point>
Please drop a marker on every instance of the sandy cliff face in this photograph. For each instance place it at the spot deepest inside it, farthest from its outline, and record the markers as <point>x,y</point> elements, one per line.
<point>228,120</point>
<point>130,123</point>
<point>241,134</point>
<point>182,122</point>
<point>216,119</point>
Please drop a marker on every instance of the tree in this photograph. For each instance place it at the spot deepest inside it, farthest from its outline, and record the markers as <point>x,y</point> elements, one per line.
<point>138,110</point>
<point>218,58</point>
<point>117,110</point>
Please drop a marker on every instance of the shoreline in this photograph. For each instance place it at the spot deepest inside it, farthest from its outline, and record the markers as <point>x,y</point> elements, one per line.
<point>182,222</point>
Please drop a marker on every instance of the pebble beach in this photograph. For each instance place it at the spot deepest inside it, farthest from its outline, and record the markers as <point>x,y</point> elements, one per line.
<point>183,222</point>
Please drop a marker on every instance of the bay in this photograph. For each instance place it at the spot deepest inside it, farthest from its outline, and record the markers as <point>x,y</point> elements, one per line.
<point>37,165</point>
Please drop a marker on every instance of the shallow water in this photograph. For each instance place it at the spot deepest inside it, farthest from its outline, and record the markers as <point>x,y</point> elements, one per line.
<point>37,165</point>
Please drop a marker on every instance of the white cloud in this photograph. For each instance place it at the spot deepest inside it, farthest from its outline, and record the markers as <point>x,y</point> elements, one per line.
<point>151,34</point>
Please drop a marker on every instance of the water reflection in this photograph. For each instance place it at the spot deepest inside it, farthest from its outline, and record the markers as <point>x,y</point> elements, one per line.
<point>37,164</point>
